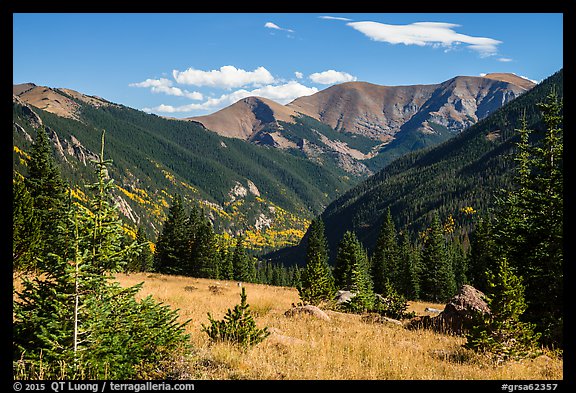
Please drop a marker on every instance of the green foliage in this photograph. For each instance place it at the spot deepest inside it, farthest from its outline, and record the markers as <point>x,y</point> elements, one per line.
<point>26,235</point>
<point>74,319</point>
<point>392,304</point>
<point>529,222</point>
<point>484,253</point>
<point>501,333</point>
<point>466,170</point>
<point>47,189</point>
<point>409,268</point>
<point>173,242</point>
<point>438,283</point>
<point>238,326</point>
<point>204,255</point>
<point>317,280</point>
<point>144,261</point>
<point>354,273</point>
<point>385,256</point>
<point>241,262</point>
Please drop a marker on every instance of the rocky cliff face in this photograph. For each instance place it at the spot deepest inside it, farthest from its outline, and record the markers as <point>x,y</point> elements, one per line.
<point>379,112</point>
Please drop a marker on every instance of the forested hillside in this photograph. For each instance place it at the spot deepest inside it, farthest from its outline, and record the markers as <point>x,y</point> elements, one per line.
<point>468,170</point>
<point>265,193</point>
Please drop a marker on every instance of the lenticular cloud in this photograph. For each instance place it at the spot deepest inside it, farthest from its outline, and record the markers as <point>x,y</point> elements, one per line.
<point>425,33</point>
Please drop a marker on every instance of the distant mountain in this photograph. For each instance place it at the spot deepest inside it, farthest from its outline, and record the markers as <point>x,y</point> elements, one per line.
<point>267,194</point>
<point>468,170</point>
<point>392,120</point>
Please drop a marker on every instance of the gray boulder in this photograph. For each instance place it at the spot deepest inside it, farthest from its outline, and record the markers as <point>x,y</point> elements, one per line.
<point>458,313</point>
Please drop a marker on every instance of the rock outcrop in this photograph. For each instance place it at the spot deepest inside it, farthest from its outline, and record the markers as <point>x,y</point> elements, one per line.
<point>307,310</point>
<point>458,313</point>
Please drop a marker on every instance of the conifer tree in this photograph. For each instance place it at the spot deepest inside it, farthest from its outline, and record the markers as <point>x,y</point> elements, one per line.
<point>25,228</point>
<point>73,321</point>
<point>501,332</point>
<point>143,261</point>
<point>483,254</point>
<point>238,326</point>
<point>385,256</point>
<point>172,246</point>
<point>353,260</point>
<point>409,268</point>
<point>437,278</point>
<point>241,261</point>
<point>204,257</point>
<point>47,189</point>
<point>317,279</point>
<point>529,222</point>
<point>226,265</point>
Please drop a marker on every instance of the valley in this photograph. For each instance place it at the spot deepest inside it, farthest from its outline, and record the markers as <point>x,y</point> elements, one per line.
<point>360,199</point>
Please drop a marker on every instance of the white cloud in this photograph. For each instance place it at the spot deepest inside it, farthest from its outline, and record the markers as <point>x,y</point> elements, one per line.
<point>282,94</point>
<point>483,74</point>
<point>425,33</point>
<point>164,85</point>
<point>299,75</point>
<point>334,18</point>
<point>226,77</point>
<point>274,26</point>
<point>331,76</point>
<point>505,59</point>
<point>531,80</point>
<point>285,93</point>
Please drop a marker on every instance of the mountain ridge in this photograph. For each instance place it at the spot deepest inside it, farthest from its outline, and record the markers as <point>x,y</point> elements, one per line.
<point>467,170</point>
<point>396,119</point>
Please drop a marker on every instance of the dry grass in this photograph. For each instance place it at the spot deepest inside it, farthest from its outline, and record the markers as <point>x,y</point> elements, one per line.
<point>307,348</point>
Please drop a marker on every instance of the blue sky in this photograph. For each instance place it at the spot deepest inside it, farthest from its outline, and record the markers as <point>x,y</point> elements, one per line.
<point>184,65</point>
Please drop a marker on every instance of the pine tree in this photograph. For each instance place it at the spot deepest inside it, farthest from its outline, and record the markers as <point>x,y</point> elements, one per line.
<point>317,279</point>
<point>347,253</point>
<point>226,265</point>
<point>437,278</point>
<point>48,191</point>
<point>459,260</point>
<point>172,246</point>
<point>204,257</point>
<point>385,256</point>
<point>238,326</point>
<point>25,228</point>
<point>409,268</point>
<point>241,261</point>
<point>143,261</point>
<point>353,261</point>
<point>501,332</point>
<point>483,254</point>
<point>73,321</point>
<point>529,222</point>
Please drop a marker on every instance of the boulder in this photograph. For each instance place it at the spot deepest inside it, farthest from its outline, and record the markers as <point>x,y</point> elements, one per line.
<point>343,296</point>
<point>460,310</point>
<point>307,310</point>
<point>458,313</point>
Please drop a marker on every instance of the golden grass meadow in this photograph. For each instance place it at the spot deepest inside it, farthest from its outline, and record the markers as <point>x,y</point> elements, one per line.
<point>305,348</point>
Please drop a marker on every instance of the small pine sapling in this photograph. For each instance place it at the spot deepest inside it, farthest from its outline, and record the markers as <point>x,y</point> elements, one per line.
<point>238,326</point>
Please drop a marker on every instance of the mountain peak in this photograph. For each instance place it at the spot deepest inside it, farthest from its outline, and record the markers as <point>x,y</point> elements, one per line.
<point>56,101</point>
<point>246,117</point>
<point>511,78</point>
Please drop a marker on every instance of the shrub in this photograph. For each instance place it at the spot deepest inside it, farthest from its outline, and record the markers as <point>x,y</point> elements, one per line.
<point>238,326</point>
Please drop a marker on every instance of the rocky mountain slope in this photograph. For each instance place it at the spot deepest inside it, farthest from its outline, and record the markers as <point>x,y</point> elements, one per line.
<point>391,119</point>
